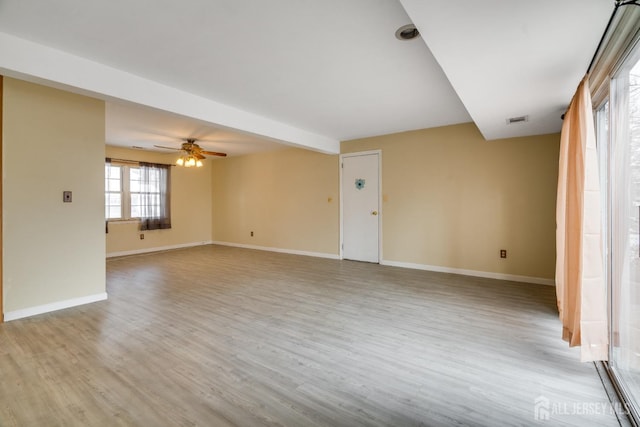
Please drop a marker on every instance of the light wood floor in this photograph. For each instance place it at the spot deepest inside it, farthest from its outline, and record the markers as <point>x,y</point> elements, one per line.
<point>216,336</point>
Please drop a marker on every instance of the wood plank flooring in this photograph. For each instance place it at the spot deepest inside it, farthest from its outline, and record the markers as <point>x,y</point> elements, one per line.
<point>218,336</point>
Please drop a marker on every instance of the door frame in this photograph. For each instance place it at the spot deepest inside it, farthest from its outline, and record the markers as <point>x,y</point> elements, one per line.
<point>380,213</point>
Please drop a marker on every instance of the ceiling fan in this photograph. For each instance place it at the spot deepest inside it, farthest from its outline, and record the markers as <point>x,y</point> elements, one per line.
<point>192,153</point>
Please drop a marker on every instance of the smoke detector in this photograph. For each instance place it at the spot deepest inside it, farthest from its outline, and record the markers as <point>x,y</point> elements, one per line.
<point>407,32</point>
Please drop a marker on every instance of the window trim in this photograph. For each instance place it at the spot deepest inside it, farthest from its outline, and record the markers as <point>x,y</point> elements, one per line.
<point>616,48</point>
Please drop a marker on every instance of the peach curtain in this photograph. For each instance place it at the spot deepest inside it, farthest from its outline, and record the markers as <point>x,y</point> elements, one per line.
<point>580,283</point>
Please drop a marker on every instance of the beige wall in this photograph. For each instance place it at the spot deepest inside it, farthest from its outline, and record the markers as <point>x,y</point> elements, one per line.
<point>452,199</point>
<point>53,141</point>
<point>288,198</point>
<point>190,207</point>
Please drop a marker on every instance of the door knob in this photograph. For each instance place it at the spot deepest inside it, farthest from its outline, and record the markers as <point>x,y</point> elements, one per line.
<point>374,213</point>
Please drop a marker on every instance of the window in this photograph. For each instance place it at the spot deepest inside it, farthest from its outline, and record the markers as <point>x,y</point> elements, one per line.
<point>618,136</point>
<point>113,191</point>
<point>138,192</point>
<point>615,84</point>
<point>122,191</point>
<point>624,225</point>
<point>144,189</point>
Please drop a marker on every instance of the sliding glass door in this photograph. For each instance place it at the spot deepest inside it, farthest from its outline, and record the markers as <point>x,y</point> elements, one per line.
<point>621,164</point>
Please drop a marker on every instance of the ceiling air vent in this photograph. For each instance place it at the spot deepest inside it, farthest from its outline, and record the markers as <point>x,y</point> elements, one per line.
<point>520,119</point>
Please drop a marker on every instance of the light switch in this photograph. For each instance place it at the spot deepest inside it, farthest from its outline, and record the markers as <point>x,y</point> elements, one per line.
<point>66,196</point>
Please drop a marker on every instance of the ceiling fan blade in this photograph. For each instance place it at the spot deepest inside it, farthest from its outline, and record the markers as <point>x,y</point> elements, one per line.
<point>168,148</point>
<point>213,153</point>
<point>199,156</point>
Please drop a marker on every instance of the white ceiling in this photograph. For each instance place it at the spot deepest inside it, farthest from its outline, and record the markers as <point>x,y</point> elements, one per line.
<point>513,58</point>
<point>131,125</point>
<point>306,73</point>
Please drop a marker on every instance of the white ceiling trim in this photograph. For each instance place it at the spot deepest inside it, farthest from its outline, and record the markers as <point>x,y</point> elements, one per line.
<point>35,62</point>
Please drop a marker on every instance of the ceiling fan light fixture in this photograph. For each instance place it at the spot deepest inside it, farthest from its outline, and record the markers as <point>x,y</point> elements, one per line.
<point>191,154</point>
<point>188,161</point>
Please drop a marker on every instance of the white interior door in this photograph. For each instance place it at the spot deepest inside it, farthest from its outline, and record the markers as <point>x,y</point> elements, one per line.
<point>361,207</point>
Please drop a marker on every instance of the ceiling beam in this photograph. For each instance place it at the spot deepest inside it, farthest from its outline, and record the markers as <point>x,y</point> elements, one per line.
<point>37,63</point>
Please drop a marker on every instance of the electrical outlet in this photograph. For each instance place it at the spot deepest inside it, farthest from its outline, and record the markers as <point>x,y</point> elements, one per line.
<point>141,236</point>
<point>252,234</point>
<point>503,253</point>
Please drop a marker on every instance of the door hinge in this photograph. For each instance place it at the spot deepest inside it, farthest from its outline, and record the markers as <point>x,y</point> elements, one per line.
<point>342,165</point>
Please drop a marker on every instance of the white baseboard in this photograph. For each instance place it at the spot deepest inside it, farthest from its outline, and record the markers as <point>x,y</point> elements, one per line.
<point>284,251</point>
<point>157,249</point>
<point>54,306</point>
<point>474,273</point>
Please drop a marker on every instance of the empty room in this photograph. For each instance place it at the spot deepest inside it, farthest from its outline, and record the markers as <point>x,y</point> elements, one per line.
<point>319,213</point>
